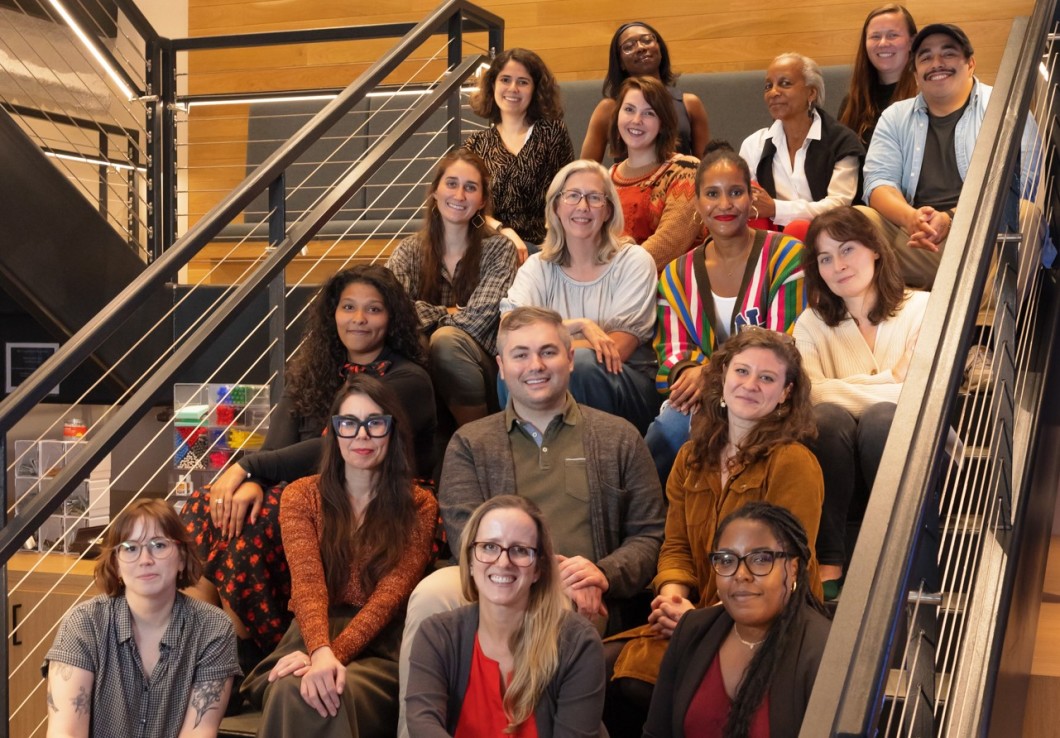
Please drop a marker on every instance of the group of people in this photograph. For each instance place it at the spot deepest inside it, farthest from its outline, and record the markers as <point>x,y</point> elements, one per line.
<point>559,344</point>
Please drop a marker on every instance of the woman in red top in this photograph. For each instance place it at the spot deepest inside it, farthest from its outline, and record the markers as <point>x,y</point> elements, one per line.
<point>518,661</point>
<point>358,537</point>
<point>745,668</point>
<point>657,187</point>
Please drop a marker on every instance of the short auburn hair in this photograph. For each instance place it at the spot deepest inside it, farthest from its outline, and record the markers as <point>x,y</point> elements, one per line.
<point>167,523</point>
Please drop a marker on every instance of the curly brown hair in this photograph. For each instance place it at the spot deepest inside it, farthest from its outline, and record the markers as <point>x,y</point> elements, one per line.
<point>791,422</point>
<point>545,103</point>
<point>313,373</point>
<point>850,224</point>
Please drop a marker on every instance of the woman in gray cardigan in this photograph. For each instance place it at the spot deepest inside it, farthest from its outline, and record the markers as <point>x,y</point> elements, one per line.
<point>520,632</point>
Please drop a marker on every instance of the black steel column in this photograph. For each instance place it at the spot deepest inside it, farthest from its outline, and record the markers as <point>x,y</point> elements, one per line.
<point>104,155</point>
<point>167,94</point>
<point>5,653</point>
<point>154,147</point>
<point>456,53</point>
<point>277,289</point>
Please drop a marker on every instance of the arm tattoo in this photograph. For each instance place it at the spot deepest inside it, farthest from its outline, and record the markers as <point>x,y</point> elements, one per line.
<point>204,697</point>
<point>51,702</point>
<point>65,670</point>
<point>82,703</point>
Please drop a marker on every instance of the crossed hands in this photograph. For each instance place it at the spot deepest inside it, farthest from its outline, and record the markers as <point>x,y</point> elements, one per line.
<point>231,498</point>
<point>666,611</point>
<point>928,228</point>
<point>323,678</point>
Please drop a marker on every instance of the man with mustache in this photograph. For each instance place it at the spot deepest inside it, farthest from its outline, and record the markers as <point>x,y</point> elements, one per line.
<point>919,155</point>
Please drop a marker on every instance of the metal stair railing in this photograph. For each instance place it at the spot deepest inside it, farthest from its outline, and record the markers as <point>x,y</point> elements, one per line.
<point>922,625</point>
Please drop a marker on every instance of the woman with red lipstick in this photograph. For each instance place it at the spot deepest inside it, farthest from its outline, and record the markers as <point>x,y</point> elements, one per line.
<point>638,49</point>
<point>746,446</point>
<point>883,69</point>
<point>361,321</point>
<point>806,163</point>
<point>518,660</point>
<point>739,277</point>
<point>746,667</point>
<point>856,342</point>
<point>142,658</point>
<point>358,537</point>
<point>526,145</point>
<point>656,186</point>
<point>456,270</point>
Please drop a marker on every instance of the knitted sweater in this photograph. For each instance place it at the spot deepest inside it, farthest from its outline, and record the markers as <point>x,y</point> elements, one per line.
<point>659,208</point>
<point>302,522</point>
<point>840,365</point>
<point>771,296</point>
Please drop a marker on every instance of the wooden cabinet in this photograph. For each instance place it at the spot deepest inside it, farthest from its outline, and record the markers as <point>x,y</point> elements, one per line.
<point>35,608</point>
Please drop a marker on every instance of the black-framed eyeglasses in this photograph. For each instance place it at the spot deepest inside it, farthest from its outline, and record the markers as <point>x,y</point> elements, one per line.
<point>630,44</point>
<point>596,200</point>
<point>758,563</point>
<point>348,426</point>
<point>160,548</point>
<point>488,552</point>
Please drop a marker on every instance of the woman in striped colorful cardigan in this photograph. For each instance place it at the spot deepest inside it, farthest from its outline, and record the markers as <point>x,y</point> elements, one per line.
<point>739,277</point>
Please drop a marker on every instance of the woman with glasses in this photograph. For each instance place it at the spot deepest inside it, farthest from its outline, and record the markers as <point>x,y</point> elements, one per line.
<point>358,537</point>
<point>746,667</point>
<point>856,342</point>
<point>604,287</point>
<point>518,660</point>
<point>142,658</point>
<point>456,270</point>
<point>638,49</point>
<point>746,446</point>
<point>740,277</point>
<point>806,163</point>
<point>656,186</point>
<point>524,147</point>
<point>360,322</point>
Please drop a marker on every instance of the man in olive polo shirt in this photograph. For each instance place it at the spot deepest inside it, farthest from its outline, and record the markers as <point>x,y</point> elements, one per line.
<point>589,472</point>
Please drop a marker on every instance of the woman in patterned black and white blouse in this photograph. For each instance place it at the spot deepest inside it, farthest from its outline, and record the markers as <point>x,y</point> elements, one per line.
<point>526,145</point>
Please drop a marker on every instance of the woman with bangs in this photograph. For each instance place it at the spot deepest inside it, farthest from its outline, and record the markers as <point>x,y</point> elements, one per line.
<point>518,661</point>
<point>142,658</point>
<point>456,270</point>
<point>358,537</point>
<point>524,147</point>
<point>883,69</point>
<point>747,446</point>
<point>637,49</point>
<point>856,341</point>
<point>656,186</point>
<point>603,285</point>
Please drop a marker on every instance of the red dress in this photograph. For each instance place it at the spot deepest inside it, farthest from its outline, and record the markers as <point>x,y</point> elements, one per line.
<point>709,709</point>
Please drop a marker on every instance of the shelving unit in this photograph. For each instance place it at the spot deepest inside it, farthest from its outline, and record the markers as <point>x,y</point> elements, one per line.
<point>88,506</point>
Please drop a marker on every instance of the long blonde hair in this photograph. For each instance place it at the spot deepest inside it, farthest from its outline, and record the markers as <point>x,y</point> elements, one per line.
<point>535,645</point>
<point>554,249</point>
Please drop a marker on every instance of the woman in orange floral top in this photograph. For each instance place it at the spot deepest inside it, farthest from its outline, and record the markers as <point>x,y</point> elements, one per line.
<point>358,538</point>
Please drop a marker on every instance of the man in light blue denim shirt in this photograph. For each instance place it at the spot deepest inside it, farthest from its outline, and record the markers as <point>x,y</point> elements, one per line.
<point>921,151</point>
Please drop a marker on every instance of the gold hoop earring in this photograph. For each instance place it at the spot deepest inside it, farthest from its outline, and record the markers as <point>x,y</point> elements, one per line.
<point>754,213</point>
<point>794,585</point>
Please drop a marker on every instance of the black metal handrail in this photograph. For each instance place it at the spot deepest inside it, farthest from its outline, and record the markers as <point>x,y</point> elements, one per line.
<point>848,694</point>
<point>101,326</point>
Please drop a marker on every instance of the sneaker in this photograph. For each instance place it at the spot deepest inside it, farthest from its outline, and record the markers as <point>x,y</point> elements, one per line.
<point>978,369</point>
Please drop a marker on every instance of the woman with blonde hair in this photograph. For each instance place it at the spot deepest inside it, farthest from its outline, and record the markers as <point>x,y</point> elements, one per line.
<point>518,661</point>
<point>604,287</point>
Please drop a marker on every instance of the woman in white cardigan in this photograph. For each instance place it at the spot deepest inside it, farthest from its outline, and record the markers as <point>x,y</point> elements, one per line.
<point>856,340</point>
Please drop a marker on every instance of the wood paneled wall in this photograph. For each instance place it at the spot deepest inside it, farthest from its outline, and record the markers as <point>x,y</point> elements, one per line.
<point>571,35</point>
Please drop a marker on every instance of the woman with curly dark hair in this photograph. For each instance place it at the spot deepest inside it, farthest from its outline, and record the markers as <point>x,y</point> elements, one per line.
<point>638,49</point>
<point>746,667</point>
<point>526,145</point>
<point>361,321</point>
<point>746,445</point>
